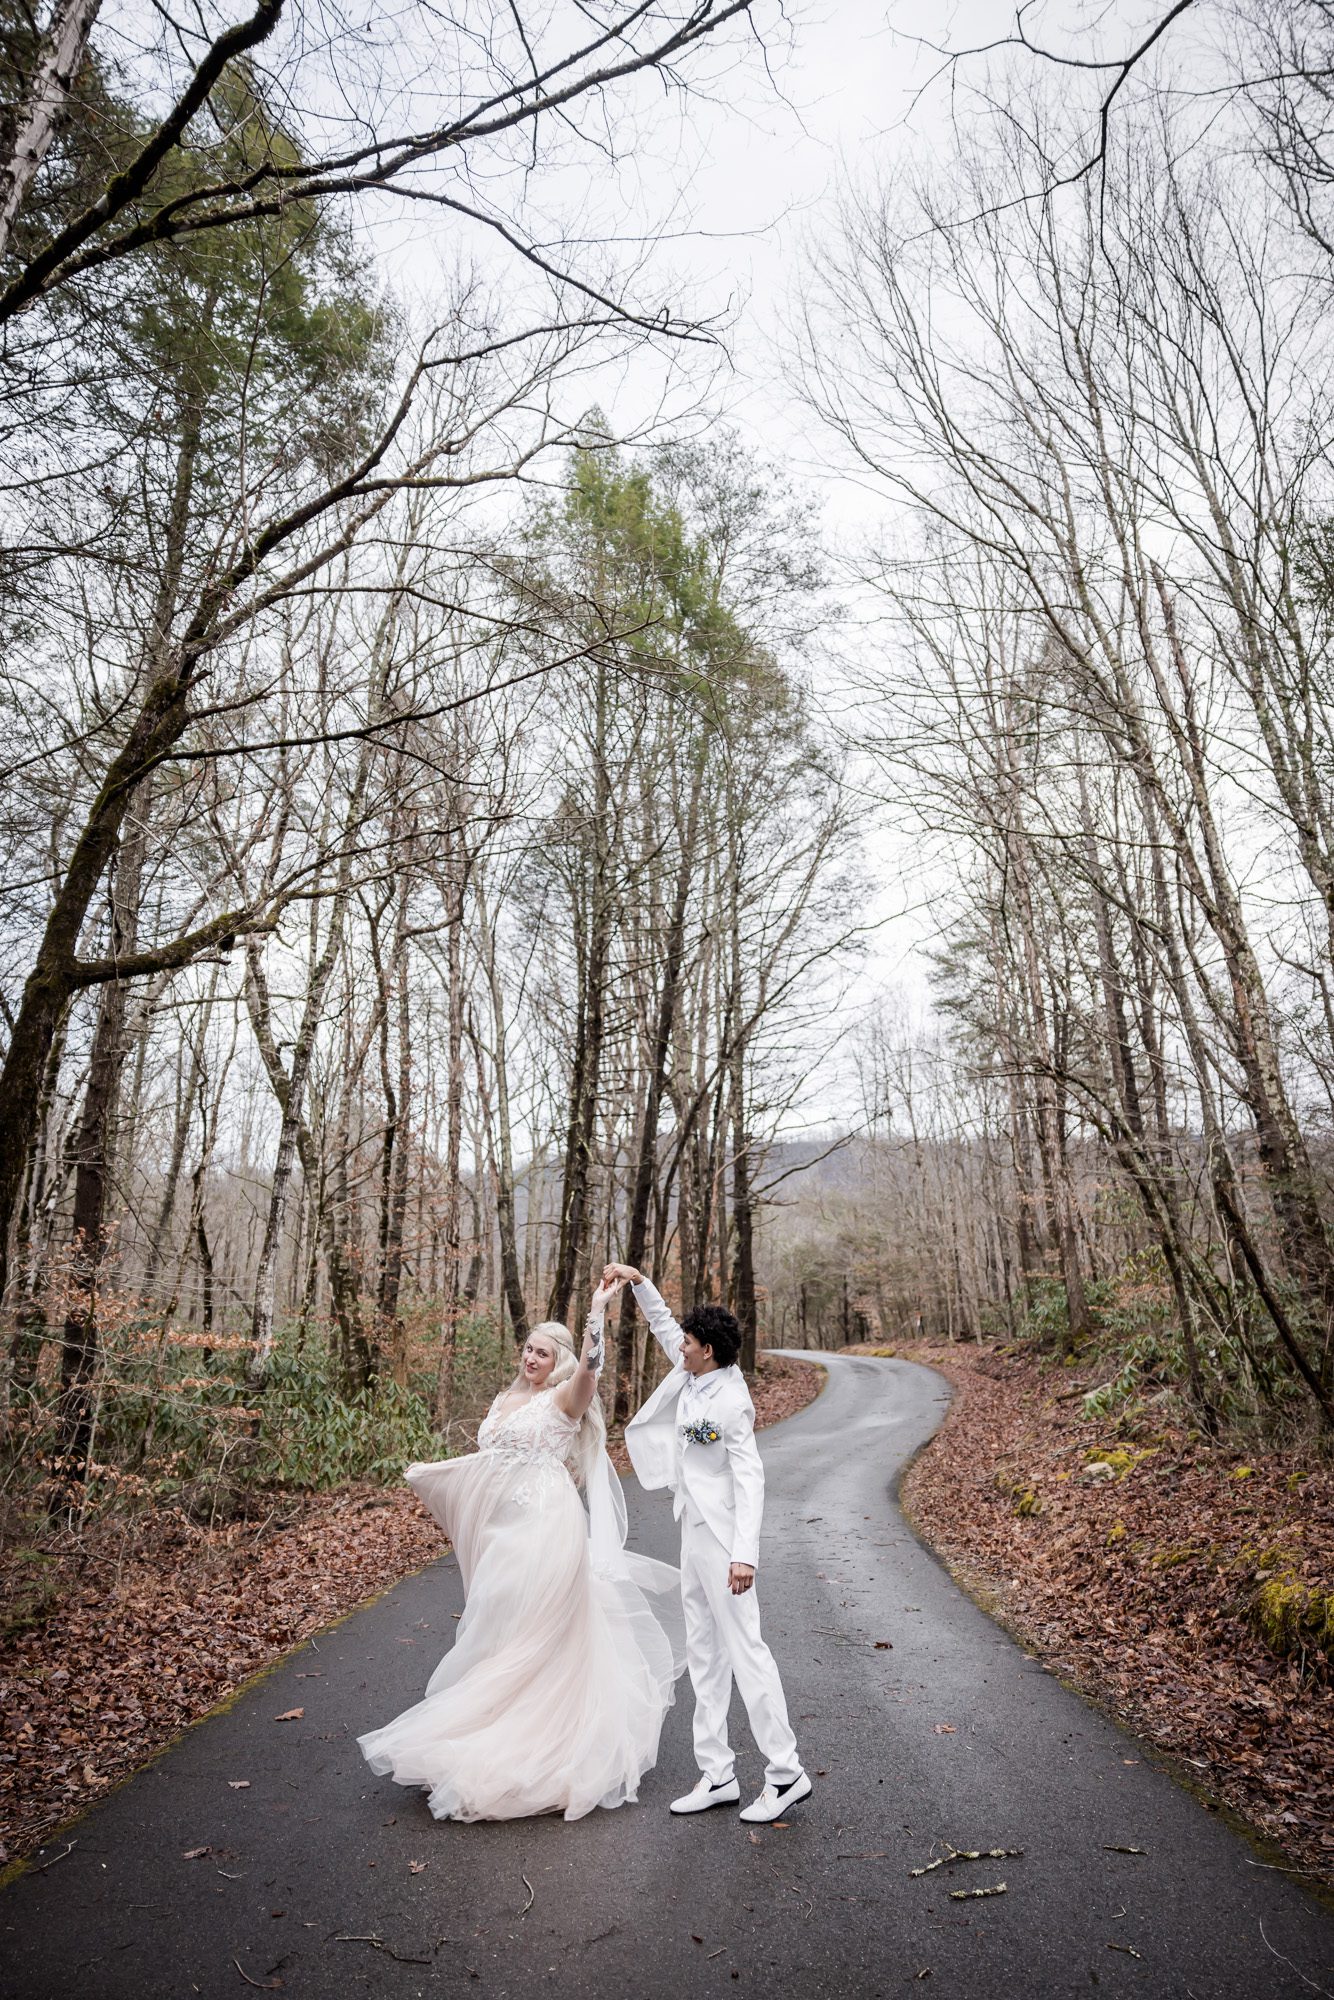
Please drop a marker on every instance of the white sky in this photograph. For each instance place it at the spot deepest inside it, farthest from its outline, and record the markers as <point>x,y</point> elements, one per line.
<point>734,190</point>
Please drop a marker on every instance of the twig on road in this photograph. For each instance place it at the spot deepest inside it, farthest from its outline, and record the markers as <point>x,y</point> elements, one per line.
<point>529,1887</point>
<point>378,1944</point>
<point>56,1857</point>
<point>263,1985</point>
<point>1295,1968</point>
<point>965,1895</point>
<point>966,1854</point>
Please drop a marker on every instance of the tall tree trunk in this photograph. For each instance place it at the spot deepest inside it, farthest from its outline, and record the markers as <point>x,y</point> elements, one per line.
<point>37,119</point>
<point>506,1226</point>
<point>576,1215</point>
<point>1159,1195</point>
<point>392,1336</point>
<point>646,1162</point>
<point>290,1087</point>
<point>1051,1144</point>
<point>453,1231</point>
<point>742,1286</point>
<point>55,976</point>
<point>744,1302</point>
<point>205,1253</point>
<point>354,1348</point>
<point>93,1151</point>
<point>35,1225</point>
<point>157,1243</point>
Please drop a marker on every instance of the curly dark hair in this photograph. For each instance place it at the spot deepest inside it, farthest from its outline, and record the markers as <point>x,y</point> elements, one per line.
<point>715,1327</point>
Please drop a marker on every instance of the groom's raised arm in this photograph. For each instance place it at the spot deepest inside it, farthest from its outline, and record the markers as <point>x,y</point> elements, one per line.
<point>661,1323</point>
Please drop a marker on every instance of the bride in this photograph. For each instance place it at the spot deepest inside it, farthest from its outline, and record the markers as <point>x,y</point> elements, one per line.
<point>553,1694</point>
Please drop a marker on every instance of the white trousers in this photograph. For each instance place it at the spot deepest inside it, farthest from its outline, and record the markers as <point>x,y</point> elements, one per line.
<point>723,1641</point>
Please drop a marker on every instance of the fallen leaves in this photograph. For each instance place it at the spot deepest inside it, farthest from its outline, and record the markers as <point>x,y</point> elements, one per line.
<point>417,1867</point>
<point>946,1729</point>
<point>155,1621</point>
<point>1137,1589</point>
<point>290,1715</point>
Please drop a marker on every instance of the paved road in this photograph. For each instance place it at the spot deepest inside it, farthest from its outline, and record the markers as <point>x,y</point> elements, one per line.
<point>316,1858</point>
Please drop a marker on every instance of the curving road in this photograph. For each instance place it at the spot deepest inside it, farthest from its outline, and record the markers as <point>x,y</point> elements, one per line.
<point>310,1887</point>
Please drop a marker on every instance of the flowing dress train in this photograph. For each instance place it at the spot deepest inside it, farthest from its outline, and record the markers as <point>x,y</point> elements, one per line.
<point>552,1697</point>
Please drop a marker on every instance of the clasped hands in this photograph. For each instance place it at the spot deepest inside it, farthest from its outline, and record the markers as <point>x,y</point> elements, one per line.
<point>613,1277</point>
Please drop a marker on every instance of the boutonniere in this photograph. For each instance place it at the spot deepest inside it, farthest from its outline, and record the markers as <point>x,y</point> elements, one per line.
<point>701,1432</point>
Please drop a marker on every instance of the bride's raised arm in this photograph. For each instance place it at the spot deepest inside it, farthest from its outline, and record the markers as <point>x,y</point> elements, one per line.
<point>575,1395</point>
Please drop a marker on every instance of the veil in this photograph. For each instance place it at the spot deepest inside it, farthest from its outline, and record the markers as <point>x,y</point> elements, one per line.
<point>607,1519</point>
<point>648,1591</point>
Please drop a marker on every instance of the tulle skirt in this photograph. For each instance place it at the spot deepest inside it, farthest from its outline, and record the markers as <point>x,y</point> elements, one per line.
<point>552,1696</point>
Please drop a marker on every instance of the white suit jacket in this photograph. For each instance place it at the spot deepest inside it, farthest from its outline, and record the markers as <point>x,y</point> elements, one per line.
<point>724,1482</point>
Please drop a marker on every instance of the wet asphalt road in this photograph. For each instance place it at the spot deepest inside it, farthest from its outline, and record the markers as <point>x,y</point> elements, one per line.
<point>324,1883</point>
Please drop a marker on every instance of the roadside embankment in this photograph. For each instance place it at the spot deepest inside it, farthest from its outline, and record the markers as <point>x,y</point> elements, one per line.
<point>1186,1587</point>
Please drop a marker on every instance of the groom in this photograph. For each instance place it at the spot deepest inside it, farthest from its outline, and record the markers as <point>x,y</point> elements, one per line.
<point>696,1434</point>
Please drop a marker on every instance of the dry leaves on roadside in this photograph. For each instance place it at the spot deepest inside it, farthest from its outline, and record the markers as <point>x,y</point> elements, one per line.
<point>1136,1585</point>
<point>156,1627</point>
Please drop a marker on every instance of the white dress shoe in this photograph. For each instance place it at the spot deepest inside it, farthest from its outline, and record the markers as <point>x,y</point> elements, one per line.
<point>707,1794</point>
<point>772,1804</point>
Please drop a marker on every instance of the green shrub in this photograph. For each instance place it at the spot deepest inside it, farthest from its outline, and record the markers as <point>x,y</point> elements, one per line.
<point>1046,1319</point>
<point>310,1436</point>
<point>1151,1359</point>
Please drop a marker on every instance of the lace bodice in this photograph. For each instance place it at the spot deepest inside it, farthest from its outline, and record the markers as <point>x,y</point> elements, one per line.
<point>536,1432</point>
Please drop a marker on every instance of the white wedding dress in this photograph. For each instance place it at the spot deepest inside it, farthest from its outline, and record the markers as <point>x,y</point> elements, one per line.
<point>553,1694</point>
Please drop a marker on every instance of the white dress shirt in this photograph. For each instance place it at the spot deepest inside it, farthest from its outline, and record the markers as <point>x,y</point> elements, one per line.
<point>696,1398</point>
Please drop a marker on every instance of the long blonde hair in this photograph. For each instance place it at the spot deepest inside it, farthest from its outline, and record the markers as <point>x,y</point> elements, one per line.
<point>592,1437</point>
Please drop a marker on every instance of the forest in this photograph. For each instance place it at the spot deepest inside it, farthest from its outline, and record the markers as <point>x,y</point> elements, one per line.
<point>421,864</point>
<point>446,827</point>
<point>1092,363</point>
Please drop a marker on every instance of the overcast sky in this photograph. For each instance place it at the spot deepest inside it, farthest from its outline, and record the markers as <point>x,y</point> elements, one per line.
<point>732,190</point>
